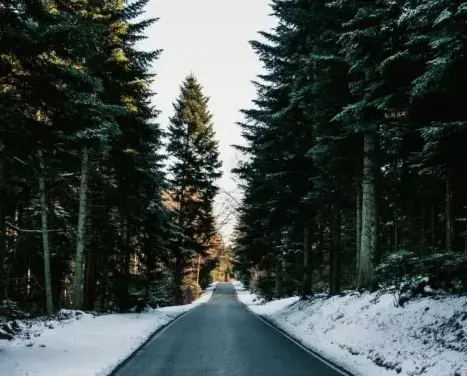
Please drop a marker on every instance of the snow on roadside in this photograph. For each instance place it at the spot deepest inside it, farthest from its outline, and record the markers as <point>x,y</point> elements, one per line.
<point>84,344</point>
<point>212,286</point>
<point>245,296</point>
<point>368,335</point>
<point>260,308</point>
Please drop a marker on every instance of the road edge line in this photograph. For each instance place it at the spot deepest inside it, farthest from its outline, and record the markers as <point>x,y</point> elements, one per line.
<point>296,341</point>
<point>153,336</point>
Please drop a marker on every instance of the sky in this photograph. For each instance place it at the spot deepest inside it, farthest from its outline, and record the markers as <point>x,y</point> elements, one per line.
<point>209,38</point>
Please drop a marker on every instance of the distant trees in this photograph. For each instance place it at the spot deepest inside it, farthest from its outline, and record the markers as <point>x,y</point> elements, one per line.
<point>355,146</point>
<point>221,258</point>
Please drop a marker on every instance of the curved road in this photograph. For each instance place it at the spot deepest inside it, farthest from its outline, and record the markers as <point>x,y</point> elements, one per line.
<point>222,338</point>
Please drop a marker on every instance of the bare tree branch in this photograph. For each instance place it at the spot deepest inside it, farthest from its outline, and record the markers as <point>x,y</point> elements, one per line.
<point>20,161</point>
<point>230,196</point>
<point>28,231</point>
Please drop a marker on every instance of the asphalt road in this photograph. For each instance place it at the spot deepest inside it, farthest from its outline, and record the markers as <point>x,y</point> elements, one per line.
<point>222,338</point>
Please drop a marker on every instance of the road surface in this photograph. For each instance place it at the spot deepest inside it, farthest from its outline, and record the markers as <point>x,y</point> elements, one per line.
<point>222,338</point>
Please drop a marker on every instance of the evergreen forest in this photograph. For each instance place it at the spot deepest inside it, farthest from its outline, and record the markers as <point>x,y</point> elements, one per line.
<point>351,175</point>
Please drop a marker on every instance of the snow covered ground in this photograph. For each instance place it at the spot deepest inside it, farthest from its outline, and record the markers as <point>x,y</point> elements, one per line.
<point>368,335</point>
<point>82,344</point>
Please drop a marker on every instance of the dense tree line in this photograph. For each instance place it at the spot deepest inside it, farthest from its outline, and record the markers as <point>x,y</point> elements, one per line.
<point>355,175</point>
<point>84,217</point>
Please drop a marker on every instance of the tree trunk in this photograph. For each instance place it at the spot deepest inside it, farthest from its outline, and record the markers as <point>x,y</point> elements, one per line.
<point>396,233</point>
<point>413,225</point>
<point>433,225</point>
<point>375,248</point>
<point>21,253</point>
<point>178,270</point>
<point>307,265</point>
<point>125,277</point>
<point>336,248</point>
<point>3,282</point>
<point>78,281</point>
<point>369,222</point>
<point>198,268</point>
<point>465,235</point>
<point>278,284</point>
<point>90,292</point>
<point>179,258</point>
<point>422,232</point>
<point>178,276</point>
<point>45,236</point>
<point>359,221</point>
<point>389,240</point>
<point>109,248</point>
<point>448,217</point>
<point>320,261</point>
<point>90,289</point>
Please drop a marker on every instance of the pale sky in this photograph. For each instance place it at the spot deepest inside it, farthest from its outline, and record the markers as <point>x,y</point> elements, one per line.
<point>209,38</point>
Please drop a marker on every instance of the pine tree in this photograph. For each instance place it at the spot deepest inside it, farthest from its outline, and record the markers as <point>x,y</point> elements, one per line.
<point>194,171</point>
<point>54,68</point>
<point>438,42</point>
<point>295,137</point>
<point>277,177</point>
<point>96,126</point>
<point>371,27</point>
<point>321,90</point>
<point>129,181</point>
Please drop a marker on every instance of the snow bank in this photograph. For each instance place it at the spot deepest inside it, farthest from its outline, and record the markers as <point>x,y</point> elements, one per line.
<point>211,287</point>
<point>258,305</point>
<point>368,335</point>
<point>82,344</point>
